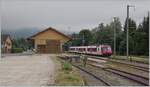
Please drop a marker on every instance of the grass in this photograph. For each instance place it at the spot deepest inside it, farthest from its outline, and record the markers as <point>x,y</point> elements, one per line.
<point>68,76</point>
<point>68,79</point>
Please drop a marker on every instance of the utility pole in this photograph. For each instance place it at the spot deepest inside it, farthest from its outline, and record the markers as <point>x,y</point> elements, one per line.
<point>127,51</point>
<point>69,42</point>
<point>127,31</point>
<point>84,57</point>
<point>114,37</point>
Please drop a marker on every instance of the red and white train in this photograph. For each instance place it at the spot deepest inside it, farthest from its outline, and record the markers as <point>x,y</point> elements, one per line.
<point>101,50</point>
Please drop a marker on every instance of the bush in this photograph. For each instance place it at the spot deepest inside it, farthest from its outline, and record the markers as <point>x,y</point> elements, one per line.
<point>67,66</point>
<point>17,50</point>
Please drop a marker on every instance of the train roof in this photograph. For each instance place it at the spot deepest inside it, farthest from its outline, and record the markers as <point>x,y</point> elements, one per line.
<point>78,47</point>
<point>105,45</point>
<point>92,46</point>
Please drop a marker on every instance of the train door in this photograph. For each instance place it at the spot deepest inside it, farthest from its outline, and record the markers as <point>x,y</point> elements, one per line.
<point>99,50</point>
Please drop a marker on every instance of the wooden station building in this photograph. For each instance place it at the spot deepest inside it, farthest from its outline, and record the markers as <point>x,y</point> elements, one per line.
<point>49,41</point>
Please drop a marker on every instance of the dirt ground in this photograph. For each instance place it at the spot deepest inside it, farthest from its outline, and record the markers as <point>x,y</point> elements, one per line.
<point>29,70</point>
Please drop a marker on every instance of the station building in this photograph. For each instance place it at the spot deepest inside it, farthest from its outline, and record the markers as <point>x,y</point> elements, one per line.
<point>49,41</point>
<point>6,43</point>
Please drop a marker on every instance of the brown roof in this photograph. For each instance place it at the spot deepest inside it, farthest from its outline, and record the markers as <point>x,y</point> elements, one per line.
<point>50,28</point>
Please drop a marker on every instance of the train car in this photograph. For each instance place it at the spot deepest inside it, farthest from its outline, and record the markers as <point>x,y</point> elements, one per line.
<point>102,50</point>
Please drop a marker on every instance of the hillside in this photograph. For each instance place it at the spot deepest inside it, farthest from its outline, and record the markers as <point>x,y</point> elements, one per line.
<point>23,33</point>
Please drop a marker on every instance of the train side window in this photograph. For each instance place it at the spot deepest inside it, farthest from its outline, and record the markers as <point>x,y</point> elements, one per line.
<point>95,49</point>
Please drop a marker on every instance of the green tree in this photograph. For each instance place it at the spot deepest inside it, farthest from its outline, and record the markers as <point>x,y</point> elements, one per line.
<point>141,38</point>
<point>132,30</point>
<point>21,43</point>
<point>86,36</point>
<point>116,24</point>
<point>106,35</point>
<point>131,26</point>
<point>96,32</point>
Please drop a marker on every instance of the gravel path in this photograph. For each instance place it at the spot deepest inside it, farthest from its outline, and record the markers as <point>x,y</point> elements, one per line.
<point>30,70</point>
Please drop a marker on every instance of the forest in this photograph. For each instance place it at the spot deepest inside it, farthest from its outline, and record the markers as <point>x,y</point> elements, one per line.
<point>104,34</point>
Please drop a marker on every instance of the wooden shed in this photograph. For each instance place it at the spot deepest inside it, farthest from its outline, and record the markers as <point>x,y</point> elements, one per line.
<point>49,41</point>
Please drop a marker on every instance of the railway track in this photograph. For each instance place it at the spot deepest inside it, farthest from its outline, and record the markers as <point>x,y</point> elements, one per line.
<point>91,74</point>
<point>133,66</point>
<point>132,60</point>
<point>140,79</point>
<point>140,67</point>
<point>134,77</point>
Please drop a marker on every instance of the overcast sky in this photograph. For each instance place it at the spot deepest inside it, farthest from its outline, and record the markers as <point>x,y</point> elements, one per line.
<point>62,14</point>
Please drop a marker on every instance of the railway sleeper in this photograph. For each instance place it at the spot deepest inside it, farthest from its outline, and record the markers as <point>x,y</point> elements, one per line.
<point>95,76</point>
<point>137,78</point>
<point>141,80</point>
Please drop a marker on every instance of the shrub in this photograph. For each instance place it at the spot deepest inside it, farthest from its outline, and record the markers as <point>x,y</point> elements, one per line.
<point>67,66</point>
<point>17,50</point>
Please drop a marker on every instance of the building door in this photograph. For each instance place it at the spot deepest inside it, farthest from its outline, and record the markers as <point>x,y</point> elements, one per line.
<point>41,48</point>
<point>53,46</point>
